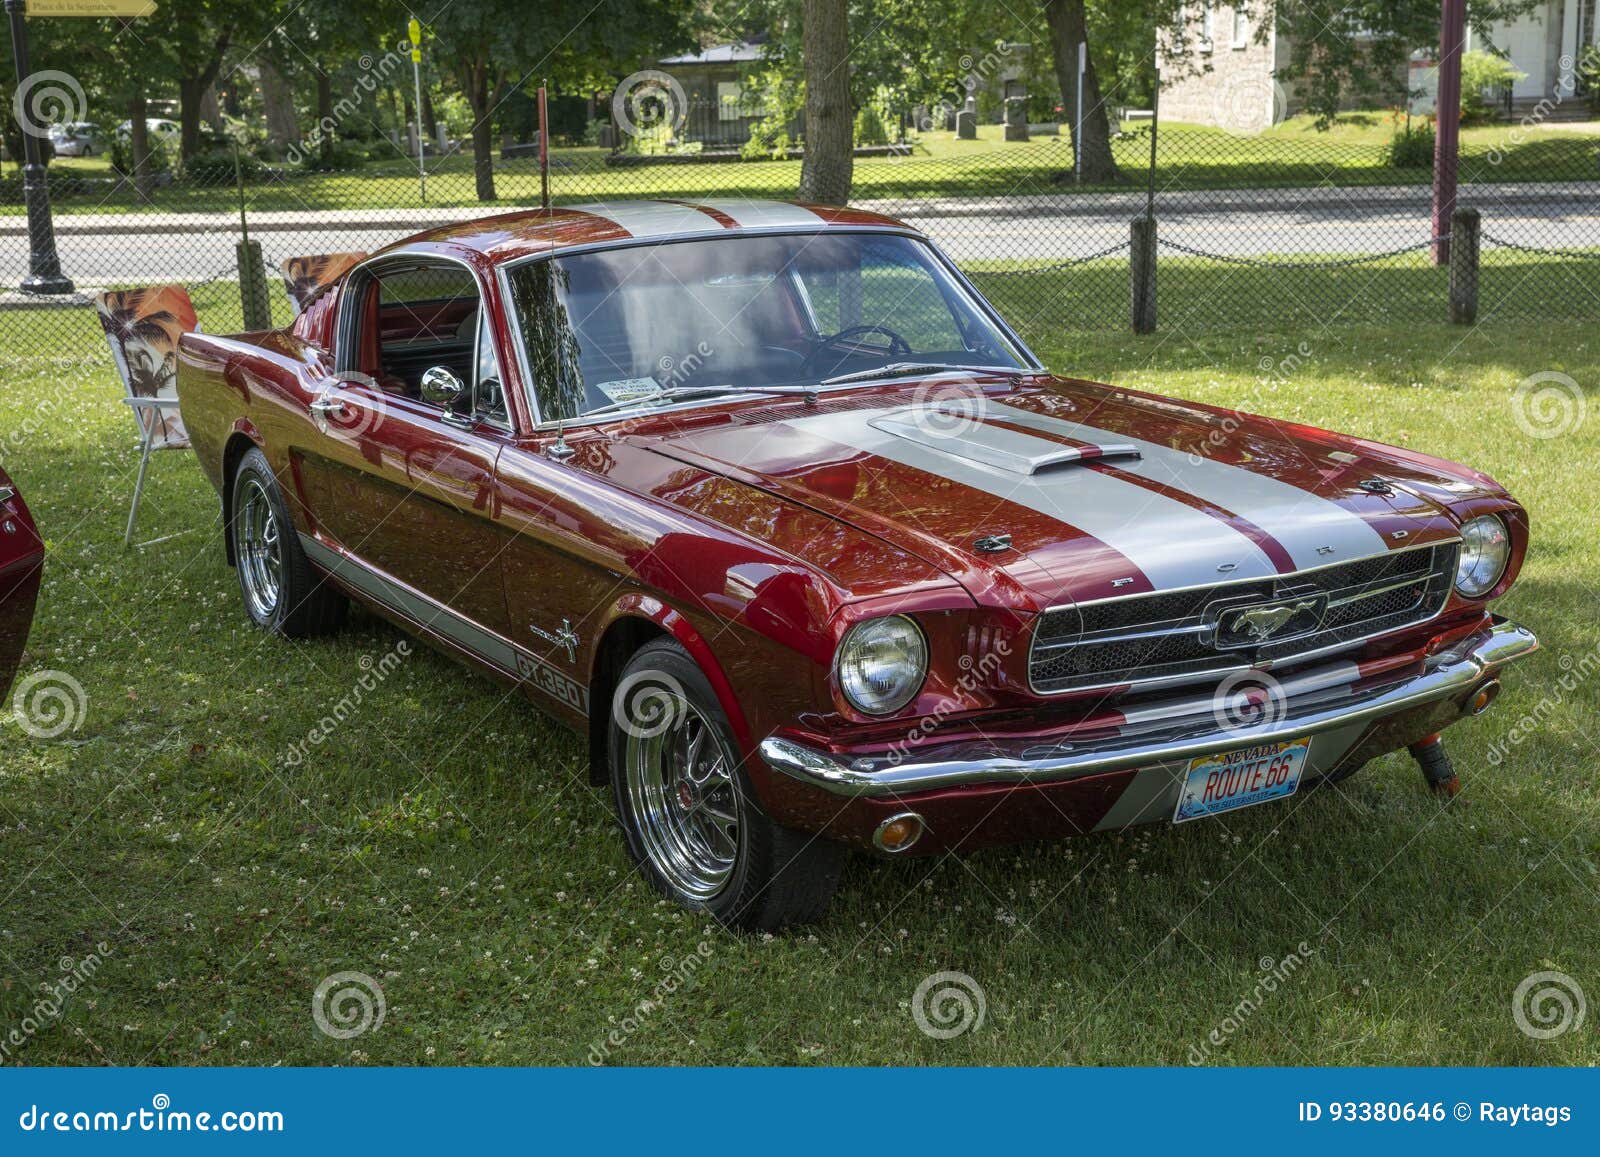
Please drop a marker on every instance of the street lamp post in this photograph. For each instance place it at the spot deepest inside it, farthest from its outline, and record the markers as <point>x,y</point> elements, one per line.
<point>44,267</point>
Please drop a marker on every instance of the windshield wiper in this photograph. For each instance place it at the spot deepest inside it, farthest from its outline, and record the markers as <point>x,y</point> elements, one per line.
<point>669,393</point>
<point>903,369</point>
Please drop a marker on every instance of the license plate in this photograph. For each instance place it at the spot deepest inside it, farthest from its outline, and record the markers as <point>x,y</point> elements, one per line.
<point>1234,779</point>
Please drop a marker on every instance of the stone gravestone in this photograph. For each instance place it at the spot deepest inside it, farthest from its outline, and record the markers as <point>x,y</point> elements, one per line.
<point>967,118</point>
<point>1016,111</point>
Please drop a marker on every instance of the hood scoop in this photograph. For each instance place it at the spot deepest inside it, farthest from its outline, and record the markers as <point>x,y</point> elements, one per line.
<point>970,438</point>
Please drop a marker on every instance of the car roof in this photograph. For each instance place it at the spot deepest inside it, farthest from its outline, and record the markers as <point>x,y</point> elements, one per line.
<point>511,235</point>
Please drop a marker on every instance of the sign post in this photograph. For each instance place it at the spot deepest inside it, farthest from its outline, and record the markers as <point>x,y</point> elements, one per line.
<point>415,31</point>
<point>1447,142</point>
<point>44,266</point>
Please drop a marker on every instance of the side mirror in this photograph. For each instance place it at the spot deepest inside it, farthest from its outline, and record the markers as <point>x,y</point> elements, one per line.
<point>440,387</point>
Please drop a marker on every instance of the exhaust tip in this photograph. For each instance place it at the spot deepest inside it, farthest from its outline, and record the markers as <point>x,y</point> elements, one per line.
<point>1483,697</point>
<point>898,832</point>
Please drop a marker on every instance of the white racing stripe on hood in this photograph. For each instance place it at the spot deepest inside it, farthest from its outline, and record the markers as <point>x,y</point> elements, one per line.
<point>1173,544</point>
<point>646,219</point>
<point>1305,523</point>
<point>764,214</point>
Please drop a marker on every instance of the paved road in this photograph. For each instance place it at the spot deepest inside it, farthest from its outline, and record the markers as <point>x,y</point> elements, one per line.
<point>201,247</point>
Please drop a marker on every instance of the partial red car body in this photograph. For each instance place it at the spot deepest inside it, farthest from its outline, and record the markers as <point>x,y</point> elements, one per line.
<point>21,566</point>
<point>757,531</point>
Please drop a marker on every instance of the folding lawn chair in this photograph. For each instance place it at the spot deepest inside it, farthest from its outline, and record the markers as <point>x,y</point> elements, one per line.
<point>143,327</point>
<point>304,276</point>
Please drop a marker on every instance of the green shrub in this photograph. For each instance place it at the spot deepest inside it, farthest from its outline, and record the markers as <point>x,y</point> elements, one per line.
<point>769,139</point>
<point>869,127</point>
<point>1411,147</point>
<point>343,157</point>
<point>158,160</point>
<point>215,166</point>
<point>1483,76</point>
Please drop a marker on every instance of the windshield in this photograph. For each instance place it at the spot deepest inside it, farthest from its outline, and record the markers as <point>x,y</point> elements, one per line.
<point>650,323</point>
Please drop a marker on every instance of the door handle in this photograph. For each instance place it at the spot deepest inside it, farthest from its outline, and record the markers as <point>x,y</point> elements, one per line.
<point>327,407</point>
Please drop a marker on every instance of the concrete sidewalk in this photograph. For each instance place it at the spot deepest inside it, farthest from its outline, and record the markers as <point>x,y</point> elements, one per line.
<point>1381,198</point>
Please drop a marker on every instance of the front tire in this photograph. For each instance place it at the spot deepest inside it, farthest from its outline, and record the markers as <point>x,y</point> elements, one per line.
<point>282,591</point>
<point>690,820</point>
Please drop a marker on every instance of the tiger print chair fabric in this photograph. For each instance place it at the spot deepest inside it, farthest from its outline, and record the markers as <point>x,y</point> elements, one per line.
<point>142,327</point>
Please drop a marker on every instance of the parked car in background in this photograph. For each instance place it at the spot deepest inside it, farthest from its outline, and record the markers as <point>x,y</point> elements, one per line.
<point>76,139</point>
<point>21,562</point>
<point>157,127</point>
<point>771,506</point>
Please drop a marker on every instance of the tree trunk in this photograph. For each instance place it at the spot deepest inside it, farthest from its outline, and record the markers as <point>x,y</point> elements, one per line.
<point>210,109</point>
<point>430,122</point>
<point>827,168</point>
<point>283,128</point>
<point>139,145</point>
<point>325,126</point>
<point>482,129</point>
<point>1068,28</point>
<point>191,91</point>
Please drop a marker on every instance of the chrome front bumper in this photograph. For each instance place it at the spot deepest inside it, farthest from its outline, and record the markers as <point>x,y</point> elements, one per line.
<point>1451,674</point>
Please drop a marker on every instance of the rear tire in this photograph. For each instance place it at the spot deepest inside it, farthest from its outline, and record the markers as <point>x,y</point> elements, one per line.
<point>282,591</point>
<point>690,819</point>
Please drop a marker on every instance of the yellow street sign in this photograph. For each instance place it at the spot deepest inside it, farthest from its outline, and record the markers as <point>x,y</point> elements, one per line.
<point>415,31</point>
<point>91,8</point>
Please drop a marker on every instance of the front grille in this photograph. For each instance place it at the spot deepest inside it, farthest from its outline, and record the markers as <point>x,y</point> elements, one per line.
<point>1193,635</point>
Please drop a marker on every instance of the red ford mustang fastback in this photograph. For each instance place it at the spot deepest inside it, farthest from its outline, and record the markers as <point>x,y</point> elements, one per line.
<point>766,501</point>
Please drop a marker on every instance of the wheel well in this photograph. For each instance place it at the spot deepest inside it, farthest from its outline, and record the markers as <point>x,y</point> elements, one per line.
<point>621,641</point>
<point>236,449</point>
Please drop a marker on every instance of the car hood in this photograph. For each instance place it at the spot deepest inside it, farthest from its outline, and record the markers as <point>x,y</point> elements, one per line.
<point>1063,490</point>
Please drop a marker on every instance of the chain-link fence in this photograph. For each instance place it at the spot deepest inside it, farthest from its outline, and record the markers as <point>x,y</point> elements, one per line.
<point>1285,228</point>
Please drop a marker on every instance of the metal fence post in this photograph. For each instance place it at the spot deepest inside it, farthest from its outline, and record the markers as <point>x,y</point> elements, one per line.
<point>1464,236</point>
<point>253,302</point>
<point>1142,274</point>
<point>253,286</point>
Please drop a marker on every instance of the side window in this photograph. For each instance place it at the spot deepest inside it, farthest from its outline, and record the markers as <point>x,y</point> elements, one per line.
<point>417,317</point>
<point>489,398</point>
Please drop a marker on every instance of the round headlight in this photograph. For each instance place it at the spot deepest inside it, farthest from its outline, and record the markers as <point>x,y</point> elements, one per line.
<point>881,664</point>
<point>1485,550</point>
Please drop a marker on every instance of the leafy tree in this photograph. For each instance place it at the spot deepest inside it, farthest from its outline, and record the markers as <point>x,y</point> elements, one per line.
<point>492,48</point>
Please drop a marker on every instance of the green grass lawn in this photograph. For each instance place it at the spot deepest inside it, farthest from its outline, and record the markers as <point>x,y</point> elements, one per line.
<point>444,841</point>
<point>1291,155</point>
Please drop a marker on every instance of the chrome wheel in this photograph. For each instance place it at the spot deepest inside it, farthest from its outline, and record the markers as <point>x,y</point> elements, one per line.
<point>259,550</point>
<point>685,805</point>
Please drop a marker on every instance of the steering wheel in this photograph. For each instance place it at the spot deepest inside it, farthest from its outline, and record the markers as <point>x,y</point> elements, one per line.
<point>898,346</point>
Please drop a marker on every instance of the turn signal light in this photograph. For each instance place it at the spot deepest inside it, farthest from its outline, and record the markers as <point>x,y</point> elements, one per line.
<point>1483,696</point>
<point>897,833</point>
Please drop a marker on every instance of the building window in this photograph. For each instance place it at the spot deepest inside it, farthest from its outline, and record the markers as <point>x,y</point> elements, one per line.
<point>1208,24</point>
<point>730,100</point>
<point>1241,26</point>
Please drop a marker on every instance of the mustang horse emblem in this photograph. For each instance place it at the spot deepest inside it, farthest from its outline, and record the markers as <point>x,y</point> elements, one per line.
<point>1262,622</point>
